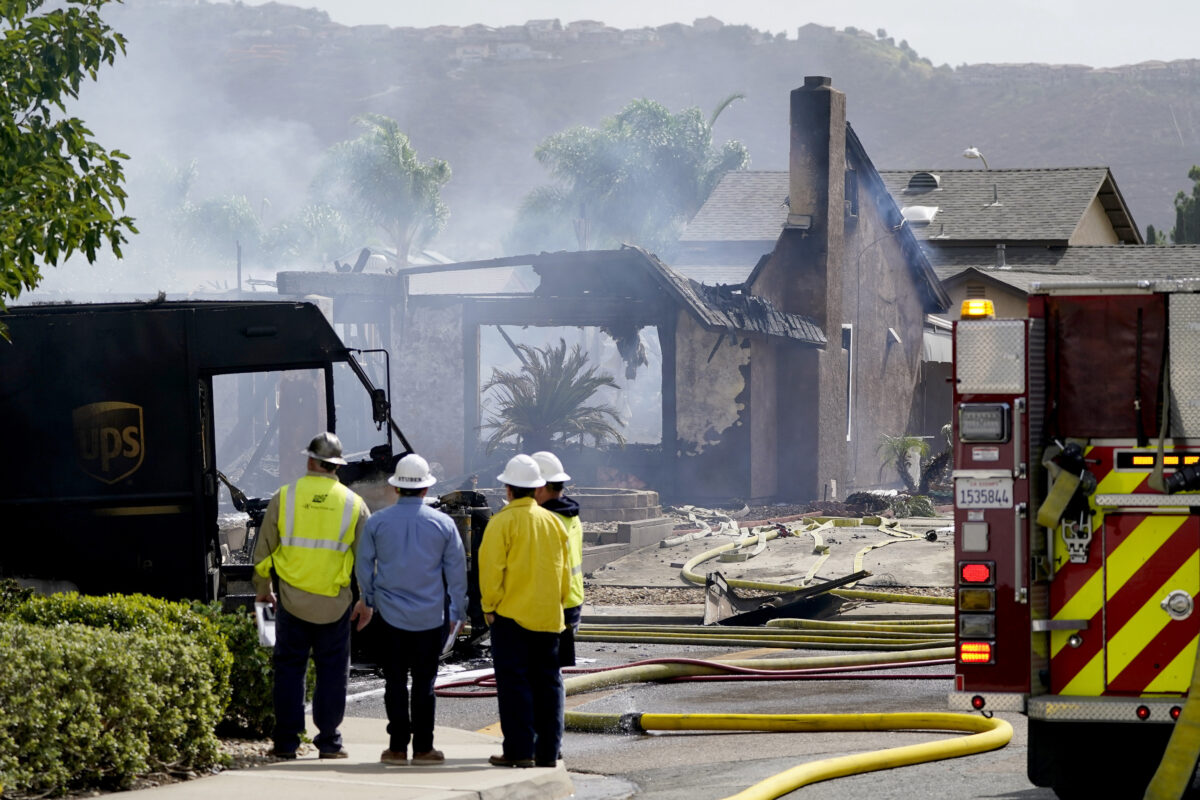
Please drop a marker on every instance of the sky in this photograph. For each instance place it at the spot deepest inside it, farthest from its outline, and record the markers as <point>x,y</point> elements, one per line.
<point>1099,33</point>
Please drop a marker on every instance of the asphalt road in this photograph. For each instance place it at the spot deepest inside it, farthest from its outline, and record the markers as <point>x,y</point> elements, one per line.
<point>697,766</point>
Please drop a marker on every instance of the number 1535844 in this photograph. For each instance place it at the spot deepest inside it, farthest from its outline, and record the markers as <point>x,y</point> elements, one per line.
<point>983,493</point>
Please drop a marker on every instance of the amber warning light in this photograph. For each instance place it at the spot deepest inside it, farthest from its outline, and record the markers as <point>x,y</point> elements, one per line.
<point>975,652</point>
<point>975,573</point>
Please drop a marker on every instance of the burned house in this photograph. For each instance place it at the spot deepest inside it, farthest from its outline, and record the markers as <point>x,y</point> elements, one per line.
<point>776,386</point>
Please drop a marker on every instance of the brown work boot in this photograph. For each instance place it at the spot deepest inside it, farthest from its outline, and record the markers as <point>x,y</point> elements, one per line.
<point>429,757</point>
<point>396,757</point>
<point>339,753</point>
<point>502,761</point>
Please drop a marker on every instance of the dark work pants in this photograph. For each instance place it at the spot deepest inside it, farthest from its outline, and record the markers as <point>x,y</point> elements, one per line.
<point>401,653</point>
<point>566,639</point>
<point>528,690</point>
<point>329,645</point>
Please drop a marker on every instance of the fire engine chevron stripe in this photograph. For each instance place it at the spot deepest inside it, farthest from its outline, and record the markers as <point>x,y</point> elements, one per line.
<point>1145,541</point>
<point>1165,665</point>
<point>1090,679</point>
<point>1183,664</point>
<point>1150,637</point>
<point>1085,603</point>
<point>1160,574</point>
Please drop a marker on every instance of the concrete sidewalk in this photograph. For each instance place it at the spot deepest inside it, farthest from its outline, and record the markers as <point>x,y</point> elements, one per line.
<point>466,775</point>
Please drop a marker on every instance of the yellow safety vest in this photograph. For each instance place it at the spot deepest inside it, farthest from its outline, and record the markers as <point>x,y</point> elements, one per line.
<point>316,529</point>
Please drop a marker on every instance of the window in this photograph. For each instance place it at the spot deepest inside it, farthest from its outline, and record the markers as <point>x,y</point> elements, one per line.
<point>976,291</point>
<point>848,346</point>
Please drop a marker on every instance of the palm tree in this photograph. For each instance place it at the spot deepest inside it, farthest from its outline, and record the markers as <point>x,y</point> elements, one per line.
<point>545,404</point>
<point>377,179</point>
<point>895,452</point>
<point>637,178</point>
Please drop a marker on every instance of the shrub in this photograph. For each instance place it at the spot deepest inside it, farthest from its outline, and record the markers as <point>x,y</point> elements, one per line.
<point>12,594</point>
<point>187,663</point>
<point>76,707</point>
<point>250,712</point>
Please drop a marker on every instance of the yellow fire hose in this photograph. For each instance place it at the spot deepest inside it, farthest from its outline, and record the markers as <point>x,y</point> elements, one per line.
<point>1174,772</point>
<point>986,734</point>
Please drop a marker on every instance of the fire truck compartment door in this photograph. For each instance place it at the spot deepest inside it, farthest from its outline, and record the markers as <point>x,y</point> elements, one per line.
<point>1105,363</point>
<point>1151,561</point>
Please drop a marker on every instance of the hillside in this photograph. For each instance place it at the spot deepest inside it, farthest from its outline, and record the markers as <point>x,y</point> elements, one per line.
<point>254,94</point>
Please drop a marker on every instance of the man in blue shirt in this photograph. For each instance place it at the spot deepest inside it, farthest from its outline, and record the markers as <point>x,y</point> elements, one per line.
<point>409,558</point>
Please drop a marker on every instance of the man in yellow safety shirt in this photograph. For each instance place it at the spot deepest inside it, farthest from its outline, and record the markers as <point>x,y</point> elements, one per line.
<point>524,578</point>
<point>308,539</point>
<point>551,498</point>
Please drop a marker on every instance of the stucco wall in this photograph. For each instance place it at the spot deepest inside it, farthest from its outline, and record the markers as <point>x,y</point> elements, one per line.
<point>428,378</point>
<point>713,397</point>
<point>1094,227</point>
<point>880,293</point>
<point>1010,303</point>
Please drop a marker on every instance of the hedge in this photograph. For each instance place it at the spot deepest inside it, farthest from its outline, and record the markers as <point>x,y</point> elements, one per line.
<point>251,711</point>
<point>98,689</point>
<point>86,708</point>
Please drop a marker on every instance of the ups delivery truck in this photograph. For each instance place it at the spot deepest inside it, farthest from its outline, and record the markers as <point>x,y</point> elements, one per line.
<point>117,418</point>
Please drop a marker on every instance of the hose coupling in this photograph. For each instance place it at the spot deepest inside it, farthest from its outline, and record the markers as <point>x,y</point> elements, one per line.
<point>631,723</point>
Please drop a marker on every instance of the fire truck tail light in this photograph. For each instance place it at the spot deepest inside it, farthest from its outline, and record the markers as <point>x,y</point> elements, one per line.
<point>1175,712</point>
<point>975,652</point>
<point>977,599</point>
<point>977,702</point>
<point>1143,713</point>
<point>977,626</point>
<point>975,572</point>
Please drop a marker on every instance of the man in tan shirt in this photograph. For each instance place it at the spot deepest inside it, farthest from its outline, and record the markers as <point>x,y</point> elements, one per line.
<point>307,544</point>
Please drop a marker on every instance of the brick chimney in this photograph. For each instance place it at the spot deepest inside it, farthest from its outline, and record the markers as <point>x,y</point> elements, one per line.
<point>816,185</point>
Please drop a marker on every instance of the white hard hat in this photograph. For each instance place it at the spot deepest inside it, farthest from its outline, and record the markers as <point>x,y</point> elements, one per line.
<point>550,466</point>
<point>325,447</point>
<point>412,472</point>
<point>521,470</point>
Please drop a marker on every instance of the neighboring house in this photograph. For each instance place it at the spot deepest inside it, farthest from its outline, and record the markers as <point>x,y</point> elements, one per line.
<point>979,223</point>
<point>776,386</point>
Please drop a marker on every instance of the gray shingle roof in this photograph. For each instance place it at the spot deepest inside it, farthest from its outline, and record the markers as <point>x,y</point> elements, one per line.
<point>1094,262</point>
<point>1035,205</point>
<point>1010,205</point>
<point>746,206</point>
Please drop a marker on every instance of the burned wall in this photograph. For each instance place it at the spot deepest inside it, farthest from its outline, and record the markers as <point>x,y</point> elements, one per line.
<point>883,303</point>
<point>712,388</point>
<point>429,349</point>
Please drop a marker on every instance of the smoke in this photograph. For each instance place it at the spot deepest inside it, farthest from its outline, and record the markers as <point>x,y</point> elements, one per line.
<point>160,106</point>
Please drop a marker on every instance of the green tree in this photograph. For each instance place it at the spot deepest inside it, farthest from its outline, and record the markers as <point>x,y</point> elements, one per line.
<point>60,191</point>
<point>378,180</point>
<point>545,404</point>
<point>1155,236</point>
<point>1187,212</point>
<point>637,178</point>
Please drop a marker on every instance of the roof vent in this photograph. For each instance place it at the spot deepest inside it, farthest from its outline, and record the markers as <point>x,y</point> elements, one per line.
<point>919,215</point>
<point>924,182</point>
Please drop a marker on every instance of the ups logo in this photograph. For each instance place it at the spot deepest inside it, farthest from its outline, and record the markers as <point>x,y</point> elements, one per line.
<point>109,442</point>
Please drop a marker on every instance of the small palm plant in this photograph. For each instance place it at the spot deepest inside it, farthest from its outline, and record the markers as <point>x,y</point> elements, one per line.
<point>895,450</point>
<point>545,404</point>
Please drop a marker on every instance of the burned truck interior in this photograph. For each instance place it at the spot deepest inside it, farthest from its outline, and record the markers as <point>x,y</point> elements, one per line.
<point>151,436</point>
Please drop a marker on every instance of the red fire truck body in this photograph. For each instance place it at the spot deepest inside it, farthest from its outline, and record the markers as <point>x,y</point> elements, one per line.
<point>1076,448</point>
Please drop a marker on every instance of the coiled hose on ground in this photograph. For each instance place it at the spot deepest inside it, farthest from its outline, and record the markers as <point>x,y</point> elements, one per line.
<point>985,733</point>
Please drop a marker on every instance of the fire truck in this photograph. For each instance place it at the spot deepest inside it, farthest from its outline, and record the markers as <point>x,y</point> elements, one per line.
<point>1077,460</point>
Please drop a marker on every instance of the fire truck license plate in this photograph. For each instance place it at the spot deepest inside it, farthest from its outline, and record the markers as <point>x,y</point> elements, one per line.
<point>983,493</point>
